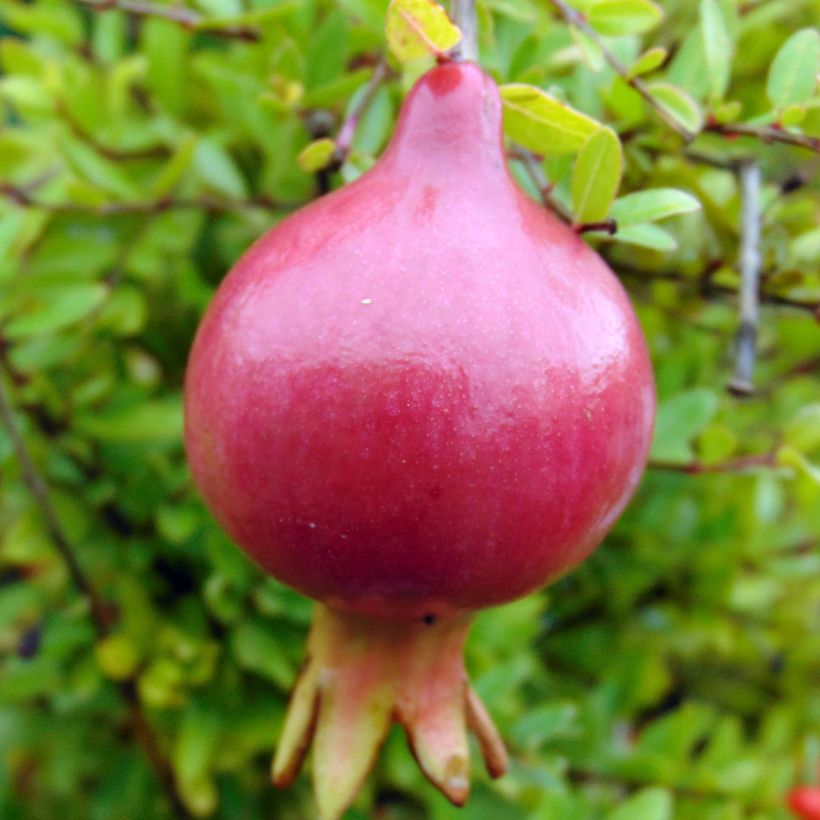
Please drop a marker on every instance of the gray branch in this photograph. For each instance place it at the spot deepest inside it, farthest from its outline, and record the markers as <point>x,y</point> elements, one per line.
<point>464,16</point>
<point>741,382</point>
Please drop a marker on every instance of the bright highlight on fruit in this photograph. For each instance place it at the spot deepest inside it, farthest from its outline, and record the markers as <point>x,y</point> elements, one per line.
<point>419,396</point>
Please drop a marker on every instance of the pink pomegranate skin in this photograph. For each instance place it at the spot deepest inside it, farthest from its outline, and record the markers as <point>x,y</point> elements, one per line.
<point>421,394</point>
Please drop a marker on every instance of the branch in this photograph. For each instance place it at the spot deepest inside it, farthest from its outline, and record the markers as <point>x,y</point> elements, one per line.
<point>575,18</point>
<point>465,17</point>
<point>347,131</point>
<point>763,296</point>
<point>36,485</point>
<point>185,17</point>
<point>733,465</point>
<point>741,382</point>
<point>532,165</point>
<point>765,133</point>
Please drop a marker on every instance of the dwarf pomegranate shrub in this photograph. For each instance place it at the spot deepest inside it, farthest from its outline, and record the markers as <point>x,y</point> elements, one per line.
<point>420,396</point>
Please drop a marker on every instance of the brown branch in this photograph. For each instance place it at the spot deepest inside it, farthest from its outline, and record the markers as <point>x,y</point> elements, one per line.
<point>575,18</point>
<point>185,17</point>
<point>765,133</point>
<point>734,465</point>
<point>609,226</point>
<point>36,485</point>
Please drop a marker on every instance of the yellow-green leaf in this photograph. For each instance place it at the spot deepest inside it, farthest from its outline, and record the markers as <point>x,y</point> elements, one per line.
<point>596,176</point>
<point>542,123</point>
<point>717,46</point>
<point>793,115</point>
<point>679,104</point>
<point>619,17</point>
<point>651,205</point>
<point>419,28</point>
<point>648,62</point>
<point>316,155</point>
<point>793,73</point>
<point>646,235</point>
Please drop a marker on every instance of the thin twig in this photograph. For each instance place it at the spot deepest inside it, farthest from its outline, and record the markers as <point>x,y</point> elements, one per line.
<point>36,485</point>
<point>575,18</point>
<point>347,131</point>
<point>812,307</point>
<point>185,17</point>
<point>532,165</point>
<point>465,17</point>
<point>734,465</point>
<point>741,381</point>
<point>608,226</point>
<point>766,133</point>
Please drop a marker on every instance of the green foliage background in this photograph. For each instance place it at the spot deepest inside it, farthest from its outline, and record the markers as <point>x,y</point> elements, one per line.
<point>675,674</point>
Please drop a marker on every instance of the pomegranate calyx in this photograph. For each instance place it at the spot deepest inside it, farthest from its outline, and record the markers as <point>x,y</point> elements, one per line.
<point>360,675</point>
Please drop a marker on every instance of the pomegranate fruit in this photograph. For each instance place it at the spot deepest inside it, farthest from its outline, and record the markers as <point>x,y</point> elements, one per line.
<point>419,396</point>
<point>804,801</point>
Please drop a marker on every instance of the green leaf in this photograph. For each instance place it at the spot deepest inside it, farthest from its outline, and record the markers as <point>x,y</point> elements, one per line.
<point>792,115</point>
<point>646,236</point>
<point>103,173</point>
<point>418,28</point>
<point>620,17</point>
<point>316,155</point>
<point>793,73</point>
<point>328,51</point>
<point>542,123</point>
<point>717,46</point>
<point>679,104</point>
<point>596,176</point>
<point>647,804</point>
<point>789,457</point>
<point>218,170</point>
<point>543,723</point>
<point>195,743</point>
<point>680,419</point>
<point>256,648</point>
<point>146,421</point>
<point>648,62</point>
<point>55,307</point>
<point>175,167</point>
<point>652,205</point>
<point>803,431</point>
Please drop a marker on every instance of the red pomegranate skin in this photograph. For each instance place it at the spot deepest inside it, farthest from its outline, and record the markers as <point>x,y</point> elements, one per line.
<point>804,801</point>
<point>421,394</point>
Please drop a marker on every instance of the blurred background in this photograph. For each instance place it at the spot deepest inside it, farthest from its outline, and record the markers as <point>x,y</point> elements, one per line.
<point>145,664</point>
